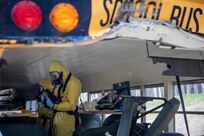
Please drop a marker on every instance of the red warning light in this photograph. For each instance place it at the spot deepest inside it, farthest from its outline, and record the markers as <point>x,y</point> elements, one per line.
<point>27,15</point>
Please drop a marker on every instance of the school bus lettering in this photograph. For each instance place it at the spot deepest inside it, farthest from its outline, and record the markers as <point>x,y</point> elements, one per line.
<point>110,17</point>
<point>188,22</point>
<point>144,9</point>
<point>116,5</point>
<point>196,19</point>
<point>138,4</point>
<point>159,10</point>
<point>175,15</point>
<point>107,13</point>
<point>186,14</point>
<point>154,9</point>
<point>182,18</point>
<point>178,15</point>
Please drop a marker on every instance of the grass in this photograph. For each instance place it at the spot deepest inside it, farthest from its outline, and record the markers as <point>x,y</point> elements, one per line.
<point>189,100</point>
<point>193,102</point>
<point>152,104</point>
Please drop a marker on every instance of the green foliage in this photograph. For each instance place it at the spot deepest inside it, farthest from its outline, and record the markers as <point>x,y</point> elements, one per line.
<point>191,99</point>
<point>193,102</point>
<point>152,104</point>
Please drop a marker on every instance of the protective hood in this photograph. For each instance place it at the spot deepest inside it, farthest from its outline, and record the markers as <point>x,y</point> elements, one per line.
<point>57,66</point>
<point>46,84</point>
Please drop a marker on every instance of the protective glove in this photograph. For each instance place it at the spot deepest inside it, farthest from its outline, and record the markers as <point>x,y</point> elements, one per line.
<point>49,102</point>
<point>42,97</point>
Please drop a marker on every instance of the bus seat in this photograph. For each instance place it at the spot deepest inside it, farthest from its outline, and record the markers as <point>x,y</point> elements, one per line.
<point>164,117</point>
<point>112,119</point>
<point>88,121</point>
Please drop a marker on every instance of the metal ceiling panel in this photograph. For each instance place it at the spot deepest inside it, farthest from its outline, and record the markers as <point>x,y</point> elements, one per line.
<point>26,66</point>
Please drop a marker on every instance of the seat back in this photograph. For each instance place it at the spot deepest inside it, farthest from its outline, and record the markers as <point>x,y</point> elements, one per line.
<point>164,117</point>
<point>121,128</point>
<point>112,119</point>
<point>89,121</point>
<point>129,111</point>
<point>100,131</point>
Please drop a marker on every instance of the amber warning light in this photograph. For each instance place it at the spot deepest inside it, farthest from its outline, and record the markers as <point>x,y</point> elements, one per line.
<point>64,17</point>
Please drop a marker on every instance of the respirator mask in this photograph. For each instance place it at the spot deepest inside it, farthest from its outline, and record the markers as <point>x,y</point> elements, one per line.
<point>56,77</point>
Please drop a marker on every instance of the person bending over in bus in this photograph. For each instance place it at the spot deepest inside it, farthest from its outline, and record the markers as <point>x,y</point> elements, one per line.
<point>67,89</point>
<point>44,113</point>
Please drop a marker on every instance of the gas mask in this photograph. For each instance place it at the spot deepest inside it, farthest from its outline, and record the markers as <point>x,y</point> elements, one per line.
<point>56,77</point>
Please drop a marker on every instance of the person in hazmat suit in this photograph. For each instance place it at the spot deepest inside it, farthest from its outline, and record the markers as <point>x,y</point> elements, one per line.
<point>44,113</point>
<point>67,88</point>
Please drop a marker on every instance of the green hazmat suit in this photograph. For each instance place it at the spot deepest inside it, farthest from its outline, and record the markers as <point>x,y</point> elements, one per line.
<point>64,123</point>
